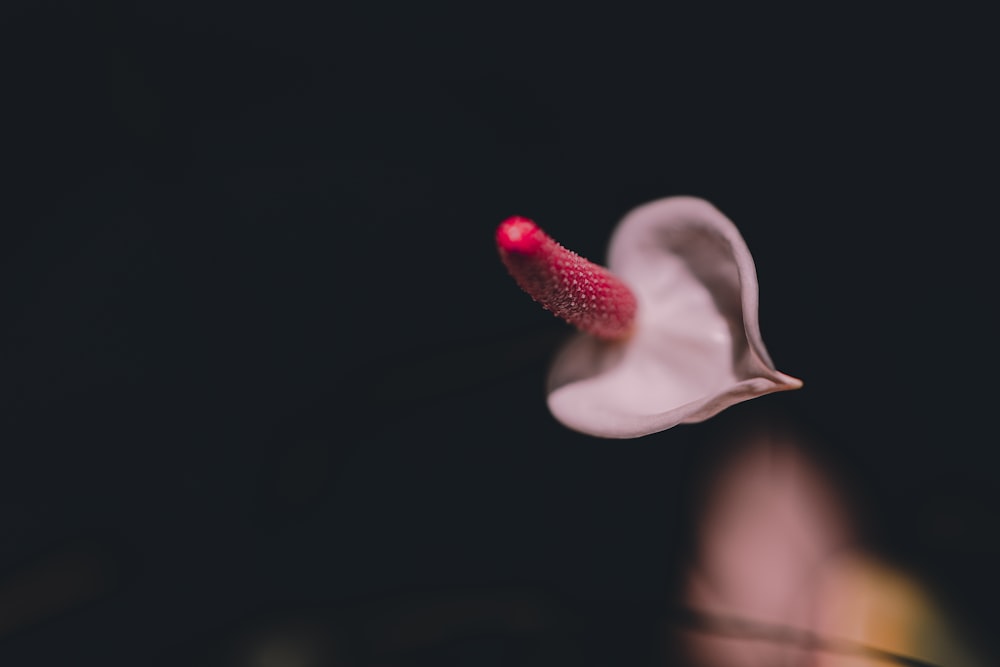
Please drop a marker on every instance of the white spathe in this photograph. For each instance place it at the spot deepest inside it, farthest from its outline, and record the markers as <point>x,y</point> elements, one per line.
<point>697,348</point>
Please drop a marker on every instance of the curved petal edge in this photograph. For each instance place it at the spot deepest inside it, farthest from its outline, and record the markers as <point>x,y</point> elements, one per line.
<point>697,348</point>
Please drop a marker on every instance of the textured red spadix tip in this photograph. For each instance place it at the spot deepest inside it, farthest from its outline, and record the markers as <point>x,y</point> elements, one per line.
<point>584,294</point>
<point>517,234</point>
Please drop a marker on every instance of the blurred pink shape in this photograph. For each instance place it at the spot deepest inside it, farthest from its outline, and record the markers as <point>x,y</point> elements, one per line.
<point>779,577</point>
<point>770,523</point>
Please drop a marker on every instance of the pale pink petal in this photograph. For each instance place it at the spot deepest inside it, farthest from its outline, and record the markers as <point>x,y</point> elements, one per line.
<point>697,348</point>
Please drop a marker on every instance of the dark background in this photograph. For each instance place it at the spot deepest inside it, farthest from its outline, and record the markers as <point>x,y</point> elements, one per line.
<point>262,369</point>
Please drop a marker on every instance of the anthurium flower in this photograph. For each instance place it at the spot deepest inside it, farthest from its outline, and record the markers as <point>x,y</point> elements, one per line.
<point>668,330</point>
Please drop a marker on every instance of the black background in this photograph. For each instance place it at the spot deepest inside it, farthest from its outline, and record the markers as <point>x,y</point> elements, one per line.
<point>260,359</point>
